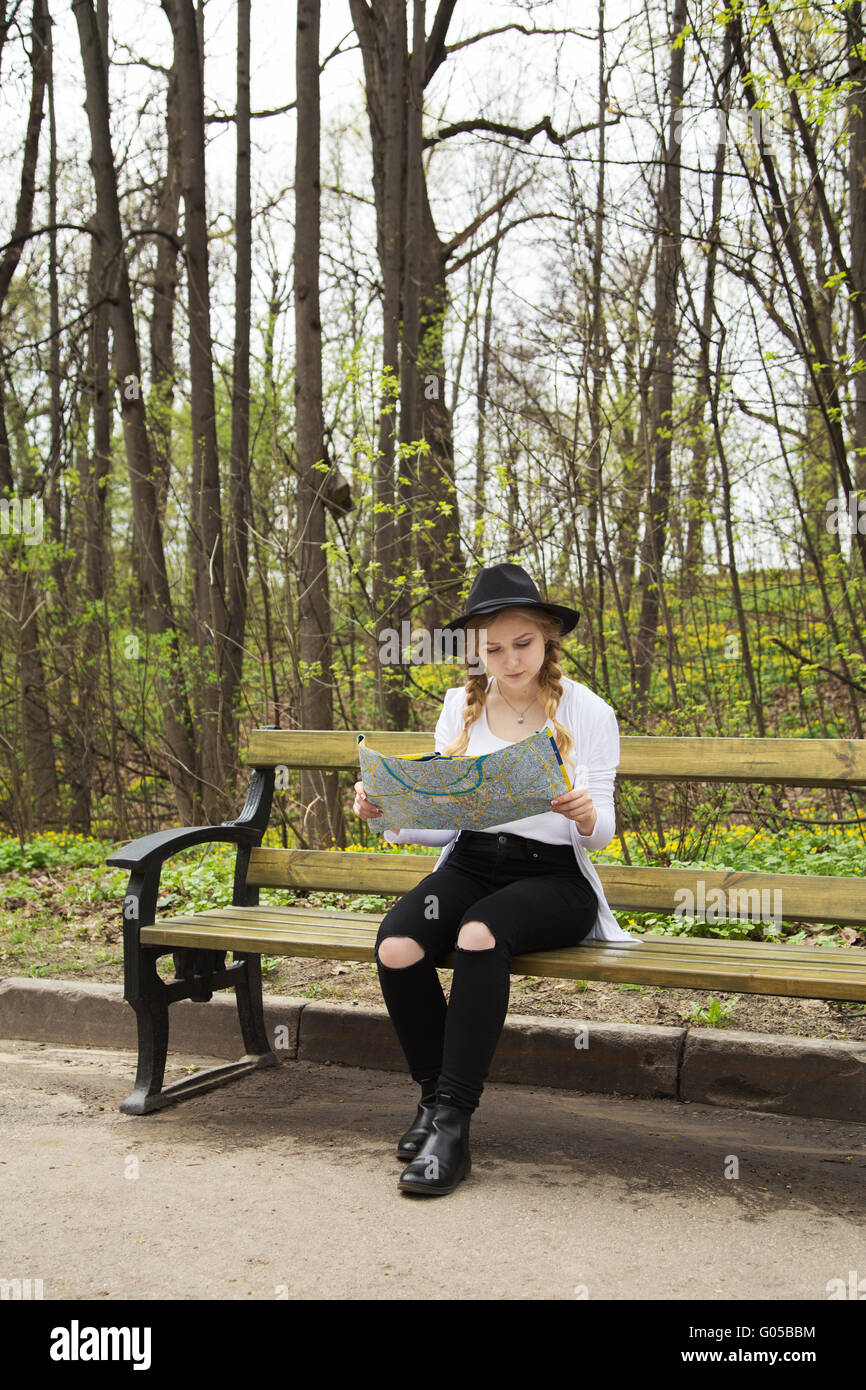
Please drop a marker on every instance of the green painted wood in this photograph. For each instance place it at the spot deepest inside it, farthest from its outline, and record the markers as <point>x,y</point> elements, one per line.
<point>747,895</point>
<point>760,967</point>
<point>766,968</point>
<point>796,762</point>
<point>337,924</point>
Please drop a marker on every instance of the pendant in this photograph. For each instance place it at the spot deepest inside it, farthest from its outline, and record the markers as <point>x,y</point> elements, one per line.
<point>520,718</point>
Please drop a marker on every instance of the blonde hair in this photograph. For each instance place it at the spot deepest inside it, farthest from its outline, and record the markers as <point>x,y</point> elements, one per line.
<point>549,679</point>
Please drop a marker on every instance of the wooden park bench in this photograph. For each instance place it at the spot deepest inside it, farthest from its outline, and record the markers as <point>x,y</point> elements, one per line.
<point>200,941</point>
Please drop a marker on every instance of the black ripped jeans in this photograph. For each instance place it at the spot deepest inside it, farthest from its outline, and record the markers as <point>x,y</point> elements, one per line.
<point>532,896</point>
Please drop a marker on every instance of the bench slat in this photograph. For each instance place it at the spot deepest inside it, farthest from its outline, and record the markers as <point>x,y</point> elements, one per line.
<point>337,924</point>
<point>332,945</point>
<point>800,762</point>
<point>338,870</point>
<point>640,962</point>
<point>803,897</point>
<point>226,924</point>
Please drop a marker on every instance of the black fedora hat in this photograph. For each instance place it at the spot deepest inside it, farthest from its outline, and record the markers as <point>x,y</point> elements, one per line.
<point>509,586</point>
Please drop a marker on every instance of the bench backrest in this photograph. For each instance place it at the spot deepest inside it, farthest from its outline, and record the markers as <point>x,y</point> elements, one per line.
<point>793,762</point>
<point>837,763</point>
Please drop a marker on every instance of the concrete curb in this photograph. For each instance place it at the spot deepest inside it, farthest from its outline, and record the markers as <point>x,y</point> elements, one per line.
<point>807,1077</point>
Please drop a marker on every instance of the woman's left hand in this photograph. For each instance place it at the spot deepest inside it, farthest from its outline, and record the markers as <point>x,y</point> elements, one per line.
<point>577,805</point>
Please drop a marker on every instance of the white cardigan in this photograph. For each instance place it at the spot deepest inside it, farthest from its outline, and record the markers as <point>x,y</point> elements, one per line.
<point>593,725</point>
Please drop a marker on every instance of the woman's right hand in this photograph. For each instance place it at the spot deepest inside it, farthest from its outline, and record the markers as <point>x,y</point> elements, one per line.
<point>361,806</point>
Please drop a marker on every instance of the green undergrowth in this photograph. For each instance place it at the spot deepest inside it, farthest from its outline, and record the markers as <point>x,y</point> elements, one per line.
<point>70,869</point>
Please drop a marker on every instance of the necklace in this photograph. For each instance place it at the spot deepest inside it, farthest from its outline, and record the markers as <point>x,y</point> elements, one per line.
<point>520,716</point>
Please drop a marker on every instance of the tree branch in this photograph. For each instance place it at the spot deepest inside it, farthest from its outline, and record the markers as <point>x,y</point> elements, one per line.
<point>804,661</point>
<point>521,29</point>
<point>43,231</point>
<point>525,135</point>
<point>497,236</point>
<point>228,118</point>
<point>436,51</point>
<point>451,246</point>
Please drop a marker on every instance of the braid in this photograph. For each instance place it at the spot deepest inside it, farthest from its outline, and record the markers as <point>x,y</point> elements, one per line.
<point>550,681</point>
<point>476,698</point>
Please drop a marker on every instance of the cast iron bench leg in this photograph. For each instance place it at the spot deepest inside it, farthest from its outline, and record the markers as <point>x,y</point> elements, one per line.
<point>151,1012</point>
<point>199,972</point>
<point>248,992</point>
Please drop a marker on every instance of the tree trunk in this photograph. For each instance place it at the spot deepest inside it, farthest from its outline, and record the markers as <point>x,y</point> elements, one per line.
<point>71,729</point>
<point>389,574</point>
<point>816,353</point>
<point>93,465</point>
<point>381,30</point>
<point>162,367</point>
<point>39,807</point>
<point>319,792</point>
<point>217,690</point>
<point>239,474</point>
<point>694,550</point>
<point>153,578</point>
<point>857,218</point>
<point>483,375</point>
<point>597,326</point>
<point>662,376</point>
<point>439,551</point>
<point>410,415</point>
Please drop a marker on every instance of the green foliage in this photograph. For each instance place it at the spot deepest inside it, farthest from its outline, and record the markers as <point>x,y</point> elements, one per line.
<point>52,851</point>
<point>367,902</point>
<point>715,1014</point>
<point>825,851</point>
<point>201,877</point>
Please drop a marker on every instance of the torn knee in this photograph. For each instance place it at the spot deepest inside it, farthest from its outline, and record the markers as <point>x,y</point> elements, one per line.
<point>475,936</point>
<point>399,951</point>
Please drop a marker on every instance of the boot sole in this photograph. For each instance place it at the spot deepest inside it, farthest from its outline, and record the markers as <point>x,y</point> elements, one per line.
<point>426,1191</point>
<point>416,1190</point>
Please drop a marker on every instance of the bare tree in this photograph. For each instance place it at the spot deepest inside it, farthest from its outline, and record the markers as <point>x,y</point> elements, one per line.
<point>24,599</point>
<point>153,577</point>
<point>319,793</point>
<point>239,463</point>
<point>661,373</point>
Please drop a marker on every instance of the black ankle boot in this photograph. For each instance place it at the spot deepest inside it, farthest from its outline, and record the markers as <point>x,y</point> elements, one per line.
<point>409,1143</point>
<point>443,1160</point>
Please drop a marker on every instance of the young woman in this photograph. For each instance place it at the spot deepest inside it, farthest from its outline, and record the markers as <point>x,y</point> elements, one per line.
<point>514,888</point>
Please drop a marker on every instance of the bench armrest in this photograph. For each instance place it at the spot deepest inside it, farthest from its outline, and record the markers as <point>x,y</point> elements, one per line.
<point>144,854</point>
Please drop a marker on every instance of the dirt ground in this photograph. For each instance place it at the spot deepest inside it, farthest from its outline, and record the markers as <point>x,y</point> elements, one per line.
<point>283,1185</point>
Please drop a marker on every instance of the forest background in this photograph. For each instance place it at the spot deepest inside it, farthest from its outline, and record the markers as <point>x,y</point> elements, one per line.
<point>304,317</point>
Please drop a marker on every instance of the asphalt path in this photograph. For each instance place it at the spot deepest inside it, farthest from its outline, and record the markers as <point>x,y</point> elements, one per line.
<point>283,1185</point>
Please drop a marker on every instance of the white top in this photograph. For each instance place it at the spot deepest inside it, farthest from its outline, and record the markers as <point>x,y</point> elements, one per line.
<point>549,826</point>
<point>593,725</point>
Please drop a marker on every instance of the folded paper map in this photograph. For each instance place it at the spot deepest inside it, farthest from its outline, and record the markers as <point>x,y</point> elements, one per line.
<point>435,792</point>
